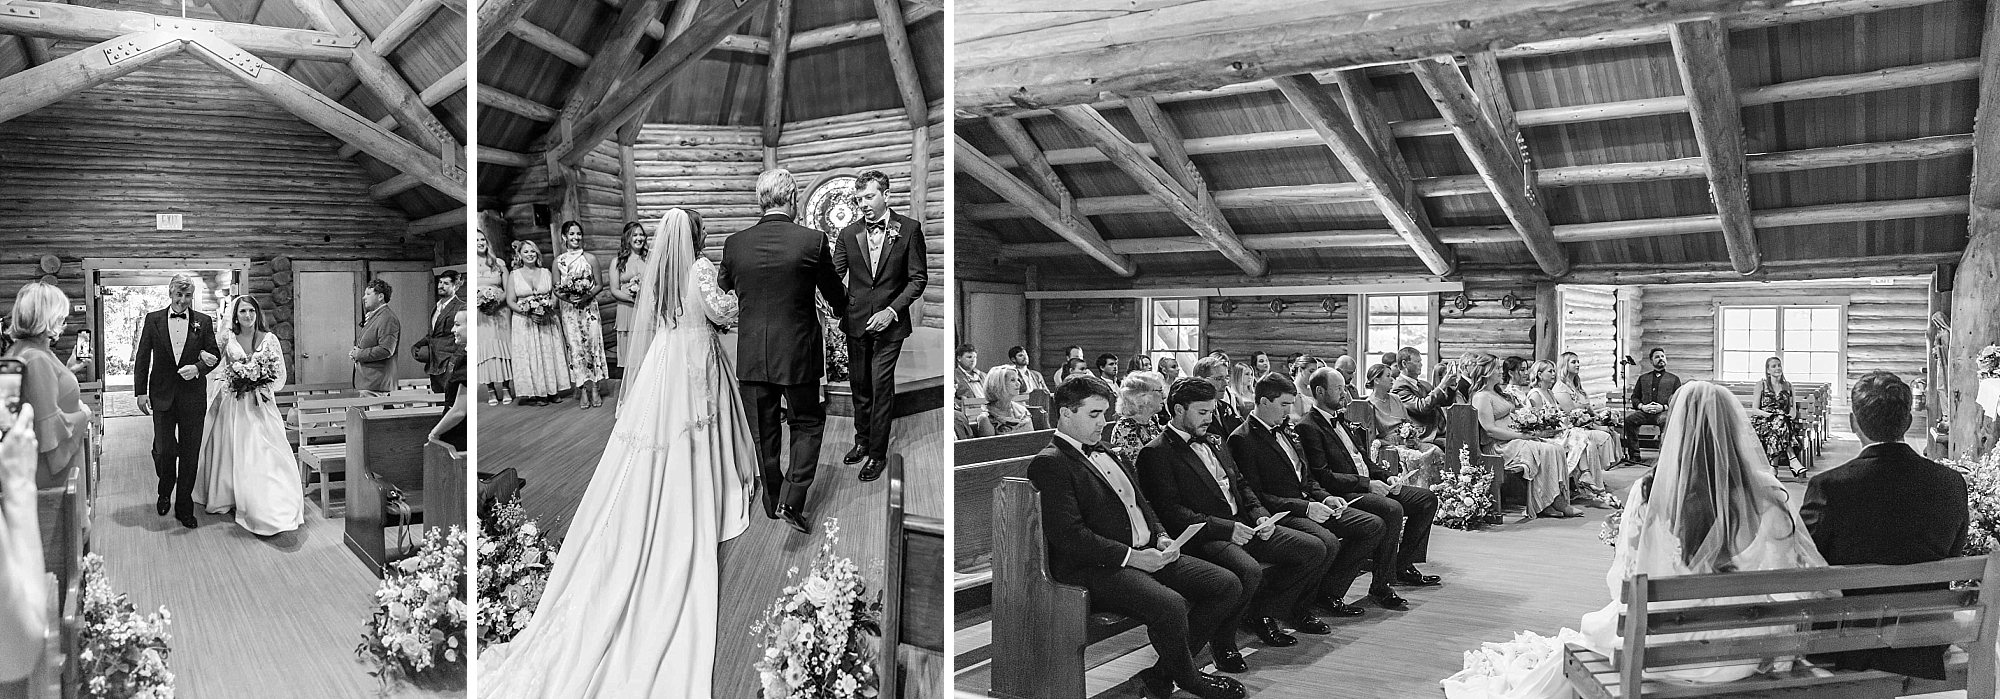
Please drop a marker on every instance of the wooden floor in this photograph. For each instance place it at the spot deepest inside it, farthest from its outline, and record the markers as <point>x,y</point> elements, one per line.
<point>1537,576</point>
<point>556,449</point>
<point>253,618</point>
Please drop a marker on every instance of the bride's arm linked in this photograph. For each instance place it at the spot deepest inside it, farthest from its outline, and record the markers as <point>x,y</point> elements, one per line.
<point>719,305</point>
<point>277,351</point>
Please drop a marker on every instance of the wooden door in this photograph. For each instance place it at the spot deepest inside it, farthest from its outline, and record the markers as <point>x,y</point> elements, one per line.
<point>413,298</point>
<point>326,305</point>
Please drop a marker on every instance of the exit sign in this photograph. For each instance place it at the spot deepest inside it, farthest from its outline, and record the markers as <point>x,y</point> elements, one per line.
<point>167,222</point>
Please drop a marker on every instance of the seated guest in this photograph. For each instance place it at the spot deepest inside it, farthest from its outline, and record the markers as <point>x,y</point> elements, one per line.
<point>1776,426</point>
<point>1541,463</point>
<point>1169,369</point>
<point>1335,454</point>
<point>1139,362</point>
<point>1421,459</point>
<point>1305,372</point>
<point>62,425</point>
<point>1650,397</point>
<point>1018,355</point>
<point>450,429</point>
<point>1589,451</point>
<point>24,613</point>
<point>1267,446</point>
<point>1190,480</point>
<point>81,362</point>
<point>1072,368</point>
<point>1515,384</point>
<point>1141,398</point>
<point>1215,371</point>
<point>1007,392</point>
<point>1424,402</point>
<point>1103,536</point>
<point>969,397</point>
<point>1889,506</point>
<point>1260,364</point>
<point>1343,364</point>
<point>1107,368</point>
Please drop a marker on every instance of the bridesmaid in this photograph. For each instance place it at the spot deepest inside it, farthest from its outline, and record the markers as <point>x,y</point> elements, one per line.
<point>496,368</point>
<point>540,372</point>
<point>1541,463</point>
<point>582,329</point>
<point>625,271</point>
<point>1589,451</point>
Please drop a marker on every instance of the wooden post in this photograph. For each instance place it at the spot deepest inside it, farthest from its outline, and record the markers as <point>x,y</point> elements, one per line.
<point>628,171</point>
<point>774,74</point>
<point>1032,278</point>
<point>1975,306</point>
<point>1548,321</point>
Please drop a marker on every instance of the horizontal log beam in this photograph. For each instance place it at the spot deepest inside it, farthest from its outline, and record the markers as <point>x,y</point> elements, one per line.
<point>1773,270</point>
<point>50,20</point>
<point>57,80</point>
<point>497,98</point>
<point>1072,228</point>
<point>406,25</point>
<point>394,186</point>
<point>496,17</point>
<point>548,41</point>
<point>437,222</point>
<point>445,86</point>
<point>1202,216</point>
<point>506,158</point>
<point>651,79</point>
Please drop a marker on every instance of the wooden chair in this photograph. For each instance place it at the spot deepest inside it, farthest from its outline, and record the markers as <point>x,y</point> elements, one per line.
<point>1963,617</point>
<point>1041,627</point>
<point>1038,410</point>
<point>913,610</point>
<point>413,384</point>
<point>385,454</point>
<point>1362,414</point>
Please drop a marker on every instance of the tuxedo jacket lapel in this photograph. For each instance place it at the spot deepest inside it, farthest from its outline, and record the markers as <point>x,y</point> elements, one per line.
<point>1192,461</point>
<point>1083,460</point>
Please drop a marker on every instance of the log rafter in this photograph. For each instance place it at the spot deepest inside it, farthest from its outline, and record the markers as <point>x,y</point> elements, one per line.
<point>1385,187</point>
<point>774,72</point>
<point>1073,228</point>
<point>48,20</point>
<point>903,62</point>
<point>1207,222</point>
<point>651,79</point>
<point>95,65</point>
<point>1453,96</point>
<point>1701,52</point>
<point>382,79</point>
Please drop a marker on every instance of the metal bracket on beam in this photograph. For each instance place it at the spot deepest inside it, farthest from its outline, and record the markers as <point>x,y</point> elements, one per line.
<point>344,42</point>
<point>122,51</point>
<point>18,11</point>
<point>245,62</point>
<point>185,25</point>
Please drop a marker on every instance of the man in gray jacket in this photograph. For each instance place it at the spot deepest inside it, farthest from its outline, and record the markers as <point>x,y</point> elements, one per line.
<point>374,352</point>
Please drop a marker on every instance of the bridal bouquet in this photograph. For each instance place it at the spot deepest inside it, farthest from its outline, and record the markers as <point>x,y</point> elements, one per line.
<point>1589,417</point>
<point>259,370</point>
<point>123,653</point>
<point>1465,496</point>
<point>540,308</point>
<point>816,634</point>
<point>419,621</point>
<point>1542,419</point>
<point>835,344</point>
<point>575,291</point>
<point>491,300</point>
<point>514,562</point>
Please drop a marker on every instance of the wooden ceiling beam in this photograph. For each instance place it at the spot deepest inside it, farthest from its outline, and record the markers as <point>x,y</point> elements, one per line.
<point>1483,71</point>
<point>646,84</point>
<point>506,158</point>
<point>496,17</point>
<point>62,22</point>
<point>1025,151</point>
<point>393,186</point>
<point>774,76</point>
<point>57,80</point>
<point>548,41</point>
<point>35,49</point>
<point>439,221</point>
<point>382,79</point>
<point>1975,313</point>
<point>406,25</point>
<point>1386,186</point>
<point>445,86</point>
<point>501,99</point>
<point>1207,221</point>
<point>1701,53</point>
<point>1453,96</point>
<point>1072,228</point>
<point>909,83</point>
<point>614,62</point>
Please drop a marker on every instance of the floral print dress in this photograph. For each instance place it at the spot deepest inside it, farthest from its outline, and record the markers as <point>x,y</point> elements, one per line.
<point>582,327</point>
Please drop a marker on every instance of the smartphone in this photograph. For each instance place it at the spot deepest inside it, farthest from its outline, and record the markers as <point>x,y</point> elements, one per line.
<point>12,374</point>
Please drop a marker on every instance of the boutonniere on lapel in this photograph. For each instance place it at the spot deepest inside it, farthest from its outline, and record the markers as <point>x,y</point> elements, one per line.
<point>895,234</point>
<point>1287,429</point>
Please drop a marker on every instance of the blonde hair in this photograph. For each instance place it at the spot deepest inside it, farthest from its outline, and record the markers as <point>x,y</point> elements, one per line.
<point>776,188</point>
<point>521,246</point>
<point>1136,385</point>
<point>40,310</point>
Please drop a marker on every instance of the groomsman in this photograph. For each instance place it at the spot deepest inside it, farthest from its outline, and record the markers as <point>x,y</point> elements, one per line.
<point>1651,397</point>
<point>1348,471</point>
<point>439,346</point>
<point>1191,479</point>
<point>374,351</point>
<point>1104,536</point>
<point>1215,370</point>
<point>1267,445</point>
<point>884,259</point>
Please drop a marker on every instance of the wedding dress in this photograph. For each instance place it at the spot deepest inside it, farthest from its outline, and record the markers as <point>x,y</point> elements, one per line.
<point>246,462</point>
<point>1712,505</point>
<point>630,606</point>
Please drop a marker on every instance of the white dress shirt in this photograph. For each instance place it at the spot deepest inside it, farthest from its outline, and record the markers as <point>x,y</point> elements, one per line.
<point>1142,535</point>
<point>177,331</point>
<point>1338,431</point>
<point>1298,464</point>
<point>1207,454</point>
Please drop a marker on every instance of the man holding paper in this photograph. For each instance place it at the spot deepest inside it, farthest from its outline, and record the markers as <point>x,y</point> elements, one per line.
<point>1190,479</point>
<point>1103,535</point>
<point>1270,454</point>
<point>1345,467</point>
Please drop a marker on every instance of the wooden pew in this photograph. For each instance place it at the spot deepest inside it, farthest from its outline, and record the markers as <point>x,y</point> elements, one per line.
<point>1041,627</point>
<point>1962,617</point>
<point>972,451</point>
<point>385,451</point>
<point>1461,428</point>
<point>444,472</point>
<point>317,425</point>
<point>913,610</point>
<point>977,472</point>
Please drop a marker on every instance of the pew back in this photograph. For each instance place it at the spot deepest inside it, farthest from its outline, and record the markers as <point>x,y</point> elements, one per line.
<point>973,486</point>
<point>913,568</point>
<point>383,451</point>
<point>1040,626</point>
<point>998,447</point>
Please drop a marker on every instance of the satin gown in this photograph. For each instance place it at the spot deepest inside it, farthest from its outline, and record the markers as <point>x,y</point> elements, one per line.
<point>246,462</point>
<point>630,607</point>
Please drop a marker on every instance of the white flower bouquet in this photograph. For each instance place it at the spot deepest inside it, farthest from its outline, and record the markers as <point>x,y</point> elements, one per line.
<point>1589,417</point>
<point>1542,419</point>
<point>1465,496</point>
<point>1982,488</point>
<point>820,635</point>
<point>257,371</point>
<point>418,629</point>
<point>490,299</point>
<point>575,292</point>
<point>124,654</point>
<point>515,557</point>
<point>540,308</point>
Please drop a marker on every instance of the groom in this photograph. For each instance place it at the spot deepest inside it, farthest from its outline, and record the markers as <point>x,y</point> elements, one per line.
<point>774,267</point>
<point>176,349</point>
<point>883,258</point>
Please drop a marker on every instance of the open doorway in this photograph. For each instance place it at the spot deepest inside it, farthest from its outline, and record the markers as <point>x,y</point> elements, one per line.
<point>120,292</point>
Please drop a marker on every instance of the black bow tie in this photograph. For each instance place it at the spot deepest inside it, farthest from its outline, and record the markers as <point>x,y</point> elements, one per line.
<point>1089,449</point>
<point>1208,439</point>
<point>881,226</point>
<point>182,316</point>
<point>1287,429</point>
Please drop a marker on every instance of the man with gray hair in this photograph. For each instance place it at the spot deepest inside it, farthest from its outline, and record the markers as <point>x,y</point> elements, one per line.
<point>774,268</point>
<point>177,348</point>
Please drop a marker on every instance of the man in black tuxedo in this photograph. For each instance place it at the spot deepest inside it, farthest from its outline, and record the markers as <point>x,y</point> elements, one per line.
<point>1346,468</point>
<point>1215,370</point>
<point>1651,396</point>
<point>774,267</point>
<point>437,348</point>
<point>177,349</point>
<point>1103,535</point>
<point>1267,446</point>
<point>1888,506</point>
<point>884,258</point>
<point>1191,479</point>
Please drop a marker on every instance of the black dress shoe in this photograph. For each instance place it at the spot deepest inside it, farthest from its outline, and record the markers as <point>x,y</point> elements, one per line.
<point>1416,578</point>
<point>1272,634</point>
<point>1336,607</point>
<point>1388,599</point>
<point>873,469</point>
<point>1209,686</point>
<point>1155,684</point>
<point>188,521</point>
<point>855,455</point>
<point>1229,660</point>
<point>1307,623</point>
<point>796,519</point>
<point>165,505</point>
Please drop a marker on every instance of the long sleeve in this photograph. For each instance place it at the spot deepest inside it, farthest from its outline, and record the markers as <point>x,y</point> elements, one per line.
<point>1157,480</point>
<point>1062,517</point>
<point>841,253</point>
<point>277,352</point>
<point>386,337</point>
<point>917,261</point>
<point>213,346</point>
<point>828,282</point>
<point>142,359</point>
<point>720,306</point>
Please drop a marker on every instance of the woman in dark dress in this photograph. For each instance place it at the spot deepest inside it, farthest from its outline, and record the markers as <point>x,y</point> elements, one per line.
<point>1773,420</point>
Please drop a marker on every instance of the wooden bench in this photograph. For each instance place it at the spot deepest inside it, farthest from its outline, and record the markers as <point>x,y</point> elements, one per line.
<point>975,475</point>
<point>385,452</point>
<point>1962,617</point>
<point>317,427</point>
<point>1005,446</point>
<point>1041,627</point>
<point>913,612</point>
<point>62,514</point>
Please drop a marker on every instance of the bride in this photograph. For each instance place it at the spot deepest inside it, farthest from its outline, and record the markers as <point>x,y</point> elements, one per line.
<point>1711,506</point>
<point>630,607</point>
<point>246,462</point>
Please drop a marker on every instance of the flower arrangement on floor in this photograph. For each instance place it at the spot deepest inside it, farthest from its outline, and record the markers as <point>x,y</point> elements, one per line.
<point>1542,419</point>
<point>1982,486</point>
<point>418,629</point>
<point>491,300</point>
<point>540,308</point>
<point>257,371</point>
<point>1465,496</point>
<point>124,653</point>
<point>514,562</point>
<point>821,634</point>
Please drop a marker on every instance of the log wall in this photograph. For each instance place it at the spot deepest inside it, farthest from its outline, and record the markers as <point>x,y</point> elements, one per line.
<point>1589,328</point>
<point>1489,326</point>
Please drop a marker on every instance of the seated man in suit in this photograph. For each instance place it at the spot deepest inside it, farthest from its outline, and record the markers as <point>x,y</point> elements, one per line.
<point>1342,465</point>
<point>1215,370</point>
<point>1890,506</point>
<point>1423,402</point>
<point>1651,395</point>
<point>1104,536</point>
<point>1190,479</point>
<point>1267,447</point>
